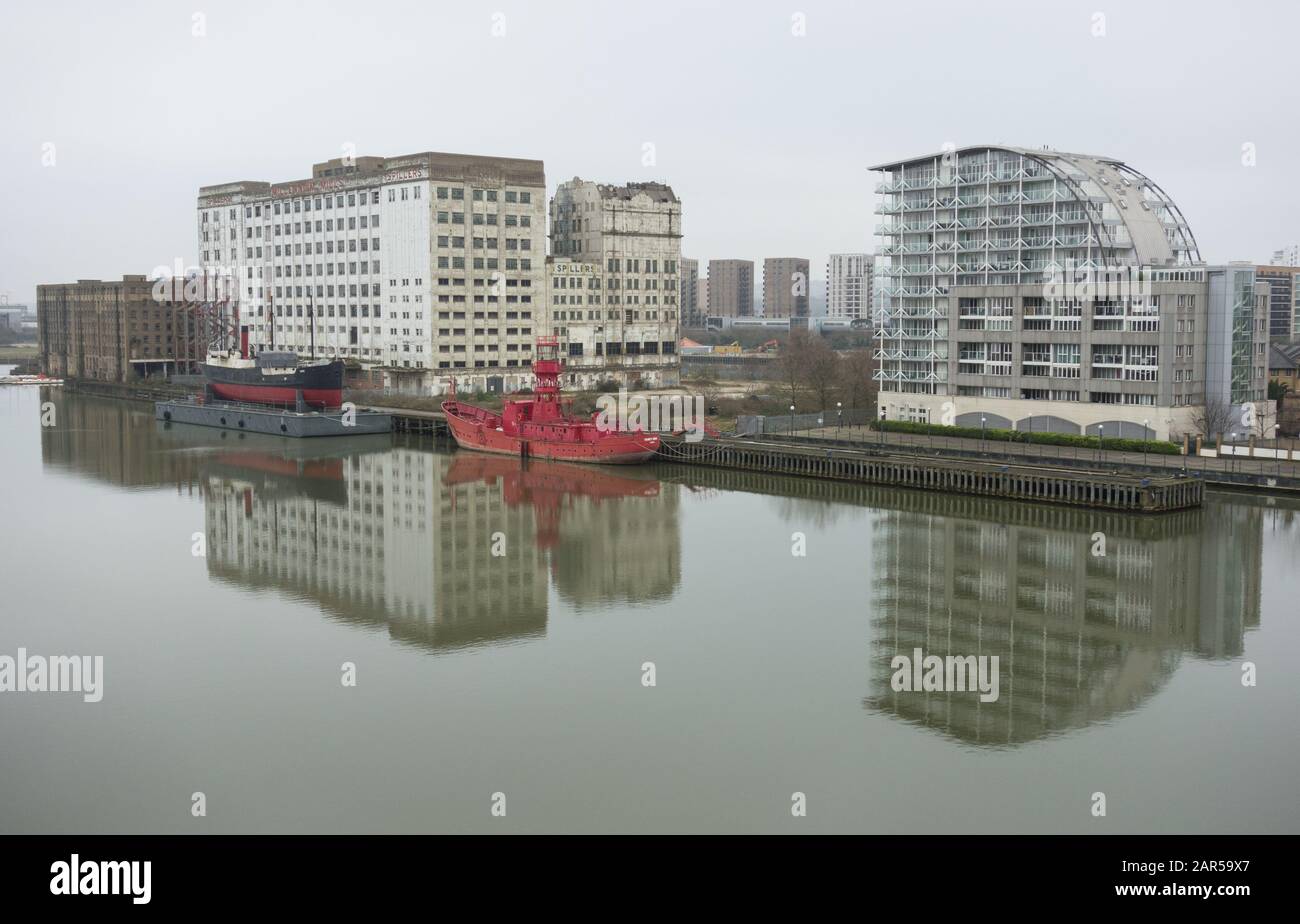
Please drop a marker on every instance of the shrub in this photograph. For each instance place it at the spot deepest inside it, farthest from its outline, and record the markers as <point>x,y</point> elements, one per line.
<point>1160,447</point>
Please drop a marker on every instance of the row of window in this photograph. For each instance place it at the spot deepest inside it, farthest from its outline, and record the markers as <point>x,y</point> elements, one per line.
<point>557,300</point>
<point>326,269</point>
<point>371,196</point>
<point>628,315</point>
<point>458,193</point>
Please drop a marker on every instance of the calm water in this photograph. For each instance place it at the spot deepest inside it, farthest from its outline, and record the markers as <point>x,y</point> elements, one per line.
<point>521,673</point>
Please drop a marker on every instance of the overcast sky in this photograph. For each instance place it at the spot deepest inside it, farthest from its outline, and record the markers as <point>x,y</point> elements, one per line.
<point>765,134</point>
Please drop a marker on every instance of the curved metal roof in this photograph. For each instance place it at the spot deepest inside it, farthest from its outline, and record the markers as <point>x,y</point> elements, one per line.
<point>1154,222</point>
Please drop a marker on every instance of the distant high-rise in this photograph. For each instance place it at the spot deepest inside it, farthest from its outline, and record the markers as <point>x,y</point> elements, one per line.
<point>1287,256</point>
<point>692,307</point>
<point>1283,300</point>
<point>731,288</point>
<point>785,287</point>
<point>849,289</point>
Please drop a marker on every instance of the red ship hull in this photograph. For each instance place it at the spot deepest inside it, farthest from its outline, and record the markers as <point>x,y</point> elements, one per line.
<point>564,439</point>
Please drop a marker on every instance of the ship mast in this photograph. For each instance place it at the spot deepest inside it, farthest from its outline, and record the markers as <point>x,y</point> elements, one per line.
<point>270,306</point>
<point>547,367</point>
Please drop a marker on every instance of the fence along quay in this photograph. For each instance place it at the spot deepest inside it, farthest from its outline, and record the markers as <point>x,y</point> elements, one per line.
<point>1096,489</point>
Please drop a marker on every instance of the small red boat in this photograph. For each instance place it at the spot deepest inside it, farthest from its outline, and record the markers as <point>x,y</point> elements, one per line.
<point>543,426</point>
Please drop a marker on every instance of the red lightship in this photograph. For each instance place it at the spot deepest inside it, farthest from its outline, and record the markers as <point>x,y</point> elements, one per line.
<point>543,426</point>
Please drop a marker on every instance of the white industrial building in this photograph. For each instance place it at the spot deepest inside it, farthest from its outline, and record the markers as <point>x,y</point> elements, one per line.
<point>422,267</point>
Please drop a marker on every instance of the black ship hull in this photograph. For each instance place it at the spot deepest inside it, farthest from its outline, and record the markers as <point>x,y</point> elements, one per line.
<point>321,384</point>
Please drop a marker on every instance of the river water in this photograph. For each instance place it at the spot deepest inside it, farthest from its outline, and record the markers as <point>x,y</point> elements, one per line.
<point>503,625</point>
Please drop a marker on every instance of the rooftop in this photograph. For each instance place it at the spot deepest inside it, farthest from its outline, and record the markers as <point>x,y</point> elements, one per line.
<point>1153,220</point>
<point>437,165</point>
<point>658,192</point>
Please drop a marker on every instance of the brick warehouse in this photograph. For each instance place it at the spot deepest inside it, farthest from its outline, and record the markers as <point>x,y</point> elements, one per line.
<point>116,331</point>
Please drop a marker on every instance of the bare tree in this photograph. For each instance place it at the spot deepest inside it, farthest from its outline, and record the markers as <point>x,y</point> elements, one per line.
<point>1266,418</point>
<point>792,362</point>
<point>1213,418</point>
<point>857,378</point>
<point>822,372</point>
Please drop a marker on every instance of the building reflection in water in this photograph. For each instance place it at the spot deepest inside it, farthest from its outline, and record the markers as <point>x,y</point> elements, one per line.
<point>389,532</point>
<point>405,537</point>
<point>611,533</point>
<point>1080,637</point>
<point>116,442</point>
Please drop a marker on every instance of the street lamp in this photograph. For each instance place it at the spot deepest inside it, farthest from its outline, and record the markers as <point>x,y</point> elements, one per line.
<point>839,415</point>
<point>792,420</point>
<point>1101,437</point>
<point>1145,428</point>
<point>983,419</point>
<point>882,426</point>
<point>1232,456</point>
<point>1277,448</point>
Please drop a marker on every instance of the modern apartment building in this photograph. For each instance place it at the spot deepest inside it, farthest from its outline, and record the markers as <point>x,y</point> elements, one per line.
<point>1064,292</point>
<point>731,288</point>
<point>424,266</point>
<point>785,287</point>
<point>627,240</point>
<point>117,330</point>
<point>849,285</point>
<point>1283,301</point>
<point>1287,256</point>
<point>692,306</point>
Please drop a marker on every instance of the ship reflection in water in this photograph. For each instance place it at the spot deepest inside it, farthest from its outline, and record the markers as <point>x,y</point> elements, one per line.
<point>443,550</point>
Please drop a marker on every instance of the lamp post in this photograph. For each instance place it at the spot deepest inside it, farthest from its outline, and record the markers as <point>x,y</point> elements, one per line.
<point>792,420</point>
<point>1145,428</point>
<point>1232,456</point>
<point>1101,437</point>
<point>839,417</point>
<point>1277,448</point>
<point>882,426</point>
<point>983,420</point>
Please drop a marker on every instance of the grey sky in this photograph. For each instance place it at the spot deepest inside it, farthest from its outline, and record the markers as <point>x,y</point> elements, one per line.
<point>765,135</point>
